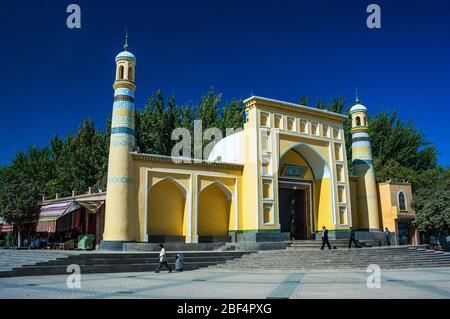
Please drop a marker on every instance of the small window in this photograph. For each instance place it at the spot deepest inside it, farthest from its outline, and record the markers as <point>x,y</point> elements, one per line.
<point>246,116</point>
<point>266,166</point>
<point>337,152</point>
<point>315,128</point>
<point>335,132</point>
<point>121,70</point>
<point>358,121</point>
<point>265,119</point>
<point>341,194</point>
<point>267,189</point>
<point>278,121</point>
<point>291,124</point>
<point>402,201</point>
<point>340,173</point>
<point>365,121</point>
<point>130,73</point>
<point>265,140</point>
<point>326,130</point>
<point>267,213</point>
<point>343,215</point>
<point>303,126</point>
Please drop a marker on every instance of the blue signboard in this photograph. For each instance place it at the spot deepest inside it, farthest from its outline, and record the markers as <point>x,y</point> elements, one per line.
<point>295,171</point>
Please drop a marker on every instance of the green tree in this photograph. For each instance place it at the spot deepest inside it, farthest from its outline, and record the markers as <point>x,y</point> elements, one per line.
<point>19,198</point>
<point>156,122</point>
<point>81,163</point>
<point>432,205</point>
<point>232,116</point>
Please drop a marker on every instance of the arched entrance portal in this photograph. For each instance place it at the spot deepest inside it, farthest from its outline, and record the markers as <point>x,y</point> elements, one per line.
<point>299,191</point>
<point>167,206</point>
<point>295,217</point>
<point>214,206</point>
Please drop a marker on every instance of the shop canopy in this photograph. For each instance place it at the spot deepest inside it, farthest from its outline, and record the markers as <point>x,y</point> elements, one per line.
<point>5,228</point>
<point>53,212</point>
<point>92,205</point>
<point>50,213</point>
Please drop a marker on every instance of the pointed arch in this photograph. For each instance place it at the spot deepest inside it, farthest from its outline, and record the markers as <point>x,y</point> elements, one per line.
<point>177,183</point>
<point>401,201</point>
<point>315,161</point>
<point>214,211</point>
<point>131,73</point>
<point>121,72</point>
<point>167,208</point>
<point>227,191</point>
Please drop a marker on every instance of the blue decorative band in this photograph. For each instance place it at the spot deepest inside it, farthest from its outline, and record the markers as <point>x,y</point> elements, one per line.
<point>123,143</point>
<point>126,98</point>
<point>355,135</point>
<point>123,91</point>
<point>122,130</point>
<point>360,139</point>
<point>120,180</point>
<point>361,144</point>
<point>123,105</point>
<point>123,118</point>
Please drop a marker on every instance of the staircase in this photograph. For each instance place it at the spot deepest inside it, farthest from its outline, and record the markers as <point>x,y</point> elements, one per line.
<point>41,262</point>
<point>338,243</point>
<point>297,259</point>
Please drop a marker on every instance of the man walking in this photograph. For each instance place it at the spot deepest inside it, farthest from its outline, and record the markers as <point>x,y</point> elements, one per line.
<point>387,235</point>
<point>352,239</point>
<point>162,260</point>
<point>325,238</point>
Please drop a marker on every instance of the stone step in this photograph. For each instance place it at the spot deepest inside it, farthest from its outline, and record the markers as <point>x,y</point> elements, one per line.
<point>137,260</point>
<point>91,269</point>
<point>298,258</point>
<point>108,262</point>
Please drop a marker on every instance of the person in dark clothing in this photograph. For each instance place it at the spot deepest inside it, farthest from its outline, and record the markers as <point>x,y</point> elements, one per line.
<point>162,260</point>
<point>325,238</point>
<point>387,234</point>
<point>352,239</point>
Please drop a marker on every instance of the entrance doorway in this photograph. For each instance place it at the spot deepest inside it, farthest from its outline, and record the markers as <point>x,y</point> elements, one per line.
<point>294,211</point>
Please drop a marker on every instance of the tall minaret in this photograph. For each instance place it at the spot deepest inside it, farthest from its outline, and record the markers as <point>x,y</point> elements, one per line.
<point>122,143</point>
<point>362,161</point>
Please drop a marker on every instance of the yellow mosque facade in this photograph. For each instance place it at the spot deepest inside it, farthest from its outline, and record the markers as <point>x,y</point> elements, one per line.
<point>282,177</point>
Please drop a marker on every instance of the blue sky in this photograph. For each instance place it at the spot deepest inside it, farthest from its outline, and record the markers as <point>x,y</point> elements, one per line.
<point>53,77</point>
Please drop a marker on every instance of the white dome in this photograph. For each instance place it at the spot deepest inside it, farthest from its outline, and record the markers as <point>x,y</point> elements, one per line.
<point>227,150</point>
<point>358,108</point>
<point>125,55</point>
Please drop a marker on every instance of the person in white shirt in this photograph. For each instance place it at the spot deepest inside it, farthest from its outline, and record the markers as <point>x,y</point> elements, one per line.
<point>162,260</point>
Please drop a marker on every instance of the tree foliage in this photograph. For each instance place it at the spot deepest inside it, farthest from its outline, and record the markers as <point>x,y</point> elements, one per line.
<point>401,153</point>
<point>432,204</point>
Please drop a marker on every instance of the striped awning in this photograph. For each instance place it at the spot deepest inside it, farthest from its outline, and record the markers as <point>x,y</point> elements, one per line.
<point>92,205</point>
<point>5,228</point>
<point>53,212</point>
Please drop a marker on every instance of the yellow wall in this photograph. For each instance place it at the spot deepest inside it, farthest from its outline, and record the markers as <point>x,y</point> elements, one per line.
<point>388,203</point>
<point>196,179</point>
<point>167,209</point>
<point>214,212</point>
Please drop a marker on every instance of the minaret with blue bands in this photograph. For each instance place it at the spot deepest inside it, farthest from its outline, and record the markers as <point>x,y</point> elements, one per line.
<point>362,162</point>
<point>120,183</point>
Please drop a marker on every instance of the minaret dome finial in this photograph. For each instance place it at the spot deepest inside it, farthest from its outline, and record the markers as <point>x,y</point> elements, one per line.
<point>126,40</point>
<point>357,96</point>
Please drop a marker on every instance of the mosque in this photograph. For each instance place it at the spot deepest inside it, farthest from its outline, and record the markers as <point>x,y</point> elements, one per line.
<point>283,177</point>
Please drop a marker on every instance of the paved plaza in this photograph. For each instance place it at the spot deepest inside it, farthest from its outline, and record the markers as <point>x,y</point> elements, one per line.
<point>417,283</point>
